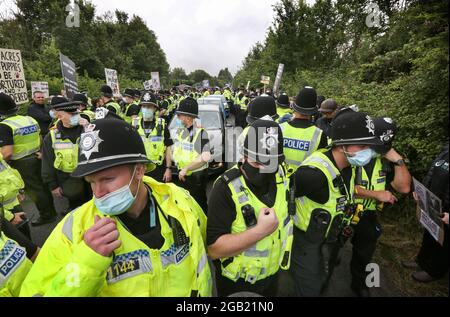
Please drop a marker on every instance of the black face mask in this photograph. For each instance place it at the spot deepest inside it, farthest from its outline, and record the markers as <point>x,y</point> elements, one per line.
<point>254,176</point>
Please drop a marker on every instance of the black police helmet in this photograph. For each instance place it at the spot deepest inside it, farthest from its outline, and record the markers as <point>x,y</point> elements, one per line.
<point>385,129</point>
<point>283,101</point>
<point>106,91</point>
<point>128,93</point>
<point>107,143</point>
<point>59,103</point>
<point>149,99</point>
<point>188,106</point>
<point>264,142</point>
<point>261,106</point>
<point>7,104</point>
<point>81,98</point>
<point>306,101</point>
<point>351,127</point>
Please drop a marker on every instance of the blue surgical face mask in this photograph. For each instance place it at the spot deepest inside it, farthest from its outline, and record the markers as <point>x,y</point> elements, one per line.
<point>178,122</point>
<point>118,201</point>
<point>361,158</point>
<point>75,120</point>
<point>52,114</point>
<point>148,113</point>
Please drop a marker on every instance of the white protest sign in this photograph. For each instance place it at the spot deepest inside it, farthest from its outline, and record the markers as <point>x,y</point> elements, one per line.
<point>12,76</point>
<point>156,85</point>
<point>147,84</point>
<point>265,80</point>
<point>112,80</point>
<point>430,207</point>
<point>41,86</point>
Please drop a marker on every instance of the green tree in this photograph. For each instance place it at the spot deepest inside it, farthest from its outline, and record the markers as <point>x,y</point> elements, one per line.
<point>224,77</point>
<point>198,75</point>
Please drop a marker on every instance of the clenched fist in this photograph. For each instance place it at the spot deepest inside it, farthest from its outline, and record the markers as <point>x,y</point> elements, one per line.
<point>103,236</point>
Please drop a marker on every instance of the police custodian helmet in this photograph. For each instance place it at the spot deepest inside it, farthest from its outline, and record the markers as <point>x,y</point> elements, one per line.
<point>188,106</point>
<point>107,143</point>
<point>261,106</point>
<point>264,142</point>
<point>351,127</point>
<point>7,104</point>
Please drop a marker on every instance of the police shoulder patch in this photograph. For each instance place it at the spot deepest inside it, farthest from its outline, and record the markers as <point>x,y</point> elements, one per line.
<point>11,256</point>
<point>230,175</point>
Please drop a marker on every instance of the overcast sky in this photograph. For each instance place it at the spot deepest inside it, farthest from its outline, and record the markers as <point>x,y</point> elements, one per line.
<point>200,34</point>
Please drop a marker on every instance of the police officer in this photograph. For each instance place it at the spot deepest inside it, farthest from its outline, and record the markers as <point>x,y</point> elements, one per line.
<point>249,231</point>
<point>324,188</point>
<point>136,237</point>
<point>16,256</point>
<point>241,103</point>
<point>108,101</point>
<point>156,137</point>
<point>374,180</point>
<point>260,107</point>
<point>283,106</point>
<point>328,109</point>
<point>60,154</point>
<point>83,102</point>
<point>301,137</point>
<point>191,152</point>
<point>131,108</point>
<point>11,190</point>
<point>20,143</point>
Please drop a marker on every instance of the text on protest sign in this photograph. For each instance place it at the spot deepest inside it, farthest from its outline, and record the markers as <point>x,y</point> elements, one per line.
<point>12,76</point>
<point>41,86</point>
<point>430,208</point>
<point>265,80</point>
<point>69,75</point>
<point>155,81</point>
<point>112,80</point>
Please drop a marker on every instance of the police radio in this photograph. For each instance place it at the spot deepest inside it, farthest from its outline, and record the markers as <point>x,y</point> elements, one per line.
<point>291,199</point>
<point>249,215</point>
<point>179,236</point>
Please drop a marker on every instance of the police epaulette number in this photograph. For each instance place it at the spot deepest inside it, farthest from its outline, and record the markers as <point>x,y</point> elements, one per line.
<point>128,265</point>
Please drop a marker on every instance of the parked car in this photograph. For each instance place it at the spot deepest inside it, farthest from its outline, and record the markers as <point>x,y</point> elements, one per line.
<point>219,100</point>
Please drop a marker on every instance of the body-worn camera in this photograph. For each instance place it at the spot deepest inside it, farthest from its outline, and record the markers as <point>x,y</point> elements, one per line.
<point>249,215</point>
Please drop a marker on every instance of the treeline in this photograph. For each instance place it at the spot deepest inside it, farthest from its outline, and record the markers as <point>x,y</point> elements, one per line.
<point>394,63</point>
<point>118,41</point>
<point>179,76</point>
<point>114,40</point>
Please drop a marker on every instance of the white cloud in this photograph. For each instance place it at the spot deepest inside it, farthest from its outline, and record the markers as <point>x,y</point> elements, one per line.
<point>201,34</point>
<point>198,34</point>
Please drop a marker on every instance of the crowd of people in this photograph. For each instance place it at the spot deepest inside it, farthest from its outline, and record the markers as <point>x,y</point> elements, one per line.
<point>312,175</point>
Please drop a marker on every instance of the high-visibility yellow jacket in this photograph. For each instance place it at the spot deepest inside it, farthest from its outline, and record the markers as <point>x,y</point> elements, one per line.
<point>66,266</point>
